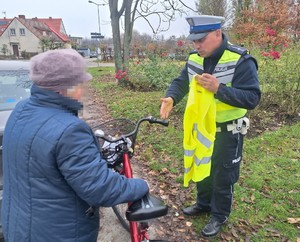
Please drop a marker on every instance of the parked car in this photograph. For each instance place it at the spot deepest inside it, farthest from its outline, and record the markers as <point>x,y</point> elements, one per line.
<point>93,54</point>
<point>14,86</point>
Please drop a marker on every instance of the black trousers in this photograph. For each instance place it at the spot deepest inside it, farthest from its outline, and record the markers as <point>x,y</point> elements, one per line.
<point>216,191</point>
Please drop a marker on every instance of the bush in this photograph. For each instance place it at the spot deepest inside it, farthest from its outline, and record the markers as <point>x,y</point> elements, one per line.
<point>280,80</point>
<point>279,77</point>
<point>153,74</point>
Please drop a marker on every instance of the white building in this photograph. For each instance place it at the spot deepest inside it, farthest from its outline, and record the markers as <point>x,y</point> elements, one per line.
<point>21,37</point>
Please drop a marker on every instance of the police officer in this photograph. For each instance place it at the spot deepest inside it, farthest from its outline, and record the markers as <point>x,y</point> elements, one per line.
<point>230,73</point>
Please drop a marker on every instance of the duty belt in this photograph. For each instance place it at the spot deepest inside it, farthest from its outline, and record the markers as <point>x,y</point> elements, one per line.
<point>235,126</point>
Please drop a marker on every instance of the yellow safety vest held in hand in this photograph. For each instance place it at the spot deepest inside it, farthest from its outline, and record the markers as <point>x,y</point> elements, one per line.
<point>224,72</point>
<point>199,125</point>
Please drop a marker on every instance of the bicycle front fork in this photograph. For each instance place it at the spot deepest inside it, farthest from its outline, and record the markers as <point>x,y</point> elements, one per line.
<point>139,232</point>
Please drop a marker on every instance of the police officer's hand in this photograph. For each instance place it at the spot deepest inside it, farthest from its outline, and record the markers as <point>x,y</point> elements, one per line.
<point>208,81</point>
<point>166,107</point>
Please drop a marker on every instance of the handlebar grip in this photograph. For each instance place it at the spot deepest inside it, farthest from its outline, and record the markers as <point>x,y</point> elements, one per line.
<point>163,122</point>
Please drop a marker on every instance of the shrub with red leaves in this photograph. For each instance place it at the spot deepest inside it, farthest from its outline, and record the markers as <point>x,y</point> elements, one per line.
<point>270,31</point>
<point>180,43</point>
<point>272,54</point>
<point>275,55</point>
<point>121,75</point>
<point>164,54</point>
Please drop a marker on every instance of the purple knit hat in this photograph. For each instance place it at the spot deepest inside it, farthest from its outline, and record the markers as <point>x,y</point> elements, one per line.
<point>58,70</point>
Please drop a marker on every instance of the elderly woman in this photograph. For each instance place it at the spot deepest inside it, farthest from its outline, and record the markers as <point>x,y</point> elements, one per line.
<point>52,168</point>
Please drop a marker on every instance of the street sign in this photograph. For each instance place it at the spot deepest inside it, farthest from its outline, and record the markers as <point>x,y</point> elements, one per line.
<point>95,35</point>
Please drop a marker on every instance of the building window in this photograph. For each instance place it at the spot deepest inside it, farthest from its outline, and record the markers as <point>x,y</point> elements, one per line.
<point>22,31</point>
<point>12,32</point>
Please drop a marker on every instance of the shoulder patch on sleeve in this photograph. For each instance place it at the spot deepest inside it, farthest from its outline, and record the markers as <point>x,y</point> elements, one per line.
<point>237,49</point>
<point>245,57</point>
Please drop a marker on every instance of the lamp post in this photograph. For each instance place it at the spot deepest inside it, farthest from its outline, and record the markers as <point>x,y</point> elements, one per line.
<point>99,34</point>
<point>98,4</point>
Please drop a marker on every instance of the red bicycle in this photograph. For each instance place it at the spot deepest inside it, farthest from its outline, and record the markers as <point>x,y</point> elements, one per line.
<point>117,138</point>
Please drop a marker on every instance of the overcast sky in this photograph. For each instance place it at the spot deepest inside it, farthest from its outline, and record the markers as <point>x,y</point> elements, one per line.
<point>80,17</point>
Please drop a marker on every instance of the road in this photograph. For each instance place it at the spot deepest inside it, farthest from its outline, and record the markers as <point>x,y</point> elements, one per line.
<point>91,62</point>
<point>110,228</point>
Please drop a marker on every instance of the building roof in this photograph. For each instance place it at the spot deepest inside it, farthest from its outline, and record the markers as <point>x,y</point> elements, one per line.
<point>4,22</point>
<point>57,26</point>
<point>52,27</point>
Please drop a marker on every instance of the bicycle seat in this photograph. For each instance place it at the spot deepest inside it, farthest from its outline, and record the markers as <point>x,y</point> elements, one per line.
<point>146,208</point>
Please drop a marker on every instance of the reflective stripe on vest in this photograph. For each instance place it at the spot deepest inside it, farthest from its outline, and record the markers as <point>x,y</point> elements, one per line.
<point>199,133</point>
<point>224,72</point>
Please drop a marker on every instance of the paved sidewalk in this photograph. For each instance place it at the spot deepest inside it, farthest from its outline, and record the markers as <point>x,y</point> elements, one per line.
<point>110,228</point>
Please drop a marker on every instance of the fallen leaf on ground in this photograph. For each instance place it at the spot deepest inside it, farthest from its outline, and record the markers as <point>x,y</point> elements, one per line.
<point>293,220</point>
<point>164,170</point>
<point>234,233</point>
<point>189,224</point>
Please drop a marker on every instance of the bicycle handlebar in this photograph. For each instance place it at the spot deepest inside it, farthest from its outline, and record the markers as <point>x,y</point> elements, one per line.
<point>150,119</point>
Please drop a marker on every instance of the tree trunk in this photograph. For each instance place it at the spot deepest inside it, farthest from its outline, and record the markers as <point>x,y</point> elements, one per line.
<point>127,34</point>
<point>115,19</point>
<point>130,8</point>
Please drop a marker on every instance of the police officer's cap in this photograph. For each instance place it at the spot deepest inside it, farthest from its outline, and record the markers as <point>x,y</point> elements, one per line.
<point>201,25</point>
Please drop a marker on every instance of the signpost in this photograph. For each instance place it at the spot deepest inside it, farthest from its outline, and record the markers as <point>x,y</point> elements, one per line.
<point>95,35</point>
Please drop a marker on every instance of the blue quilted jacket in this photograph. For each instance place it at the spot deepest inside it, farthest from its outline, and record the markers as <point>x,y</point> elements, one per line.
<point>53,173</point>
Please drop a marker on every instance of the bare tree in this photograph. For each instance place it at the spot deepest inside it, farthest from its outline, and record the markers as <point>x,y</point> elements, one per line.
<point>241,5</point>
<point>139,43</point>
<point>212,7</point>
<point>244,4</point>
<point>219,8</point>
<point>157,13</point>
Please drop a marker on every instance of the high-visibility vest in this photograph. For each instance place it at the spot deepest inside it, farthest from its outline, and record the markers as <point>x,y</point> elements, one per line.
<point>224,72</point>
<point>199,125</point>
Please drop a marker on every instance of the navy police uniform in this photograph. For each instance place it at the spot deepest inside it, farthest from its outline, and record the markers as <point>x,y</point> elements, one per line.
<point>215,193</point>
